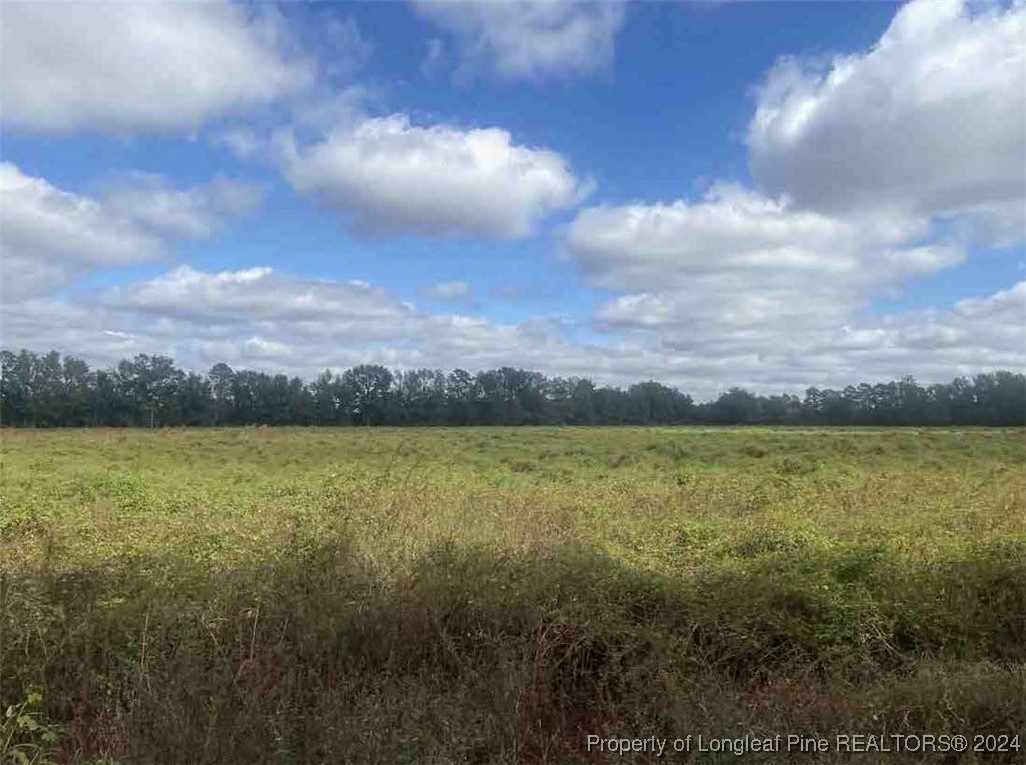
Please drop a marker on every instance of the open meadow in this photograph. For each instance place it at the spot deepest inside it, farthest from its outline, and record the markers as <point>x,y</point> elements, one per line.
<point>496,595</point>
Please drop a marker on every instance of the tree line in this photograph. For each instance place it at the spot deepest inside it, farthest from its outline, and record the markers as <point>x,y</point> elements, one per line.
<point>150,391</point>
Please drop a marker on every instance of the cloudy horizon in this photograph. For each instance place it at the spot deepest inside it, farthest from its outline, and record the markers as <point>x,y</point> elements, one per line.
<point>705,194</point>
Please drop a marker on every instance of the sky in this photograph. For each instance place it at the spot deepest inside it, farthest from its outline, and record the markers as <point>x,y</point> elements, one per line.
<point>773,195</point>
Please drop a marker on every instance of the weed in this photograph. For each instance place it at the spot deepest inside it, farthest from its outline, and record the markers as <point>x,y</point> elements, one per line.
<point>25,739</point>
<point>299,595</point>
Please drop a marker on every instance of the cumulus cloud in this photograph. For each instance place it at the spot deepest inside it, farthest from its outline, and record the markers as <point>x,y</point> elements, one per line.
<point>257,294</point>
<point>733,230</point>
<point>49,236</point>
<point>753,283</point>
<point>972,335</point>
<point>763,288</point>
<point>387,176</point>
<point>265,319</point>
<point>528,38</point>
<point>930,121</point>
<point>196,212</point>
<point>873,170</point>
<point>141,67</point>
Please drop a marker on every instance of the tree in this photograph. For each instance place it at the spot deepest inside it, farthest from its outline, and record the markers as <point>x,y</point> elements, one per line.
<point>194,404</point>
<point>368,387</point>
<point>15,387</point>
<point>657,403</point>
<point>221,379</point>
<point>149,391</point>
<point>419,397</point>
<point>736,406</point>
<point>47,386</point>
<point>77,386</point>
<point>460,394</point>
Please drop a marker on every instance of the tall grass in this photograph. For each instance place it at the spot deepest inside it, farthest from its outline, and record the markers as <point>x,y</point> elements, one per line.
<point>497,595</point>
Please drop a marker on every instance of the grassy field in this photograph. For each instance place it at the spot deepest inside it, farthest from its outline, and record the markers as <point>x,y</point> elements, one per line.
<point>497,595</point>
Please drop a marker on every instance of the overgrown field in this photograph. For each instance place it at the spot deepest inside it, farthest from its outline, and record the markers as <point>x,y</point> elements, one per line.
<point>496,595</point>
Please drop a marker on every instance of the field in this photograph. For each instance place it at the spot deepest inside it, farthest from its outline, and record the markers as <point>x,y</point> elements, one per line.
<point>497,595</point>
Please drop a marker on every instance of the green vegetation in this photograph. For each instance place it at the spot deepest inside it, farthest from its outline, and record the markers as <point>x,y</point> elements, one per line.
<point>47,391</point>
<point>495,595</point>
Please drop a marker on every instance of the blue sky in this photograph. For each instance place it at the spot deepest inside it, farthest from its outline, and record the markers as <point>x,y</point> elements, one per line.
<point>772,194</point>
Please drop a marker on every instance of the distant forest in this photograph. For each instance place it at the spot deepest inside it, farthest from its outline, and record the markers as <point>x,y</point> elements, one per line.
<point>150,391</point>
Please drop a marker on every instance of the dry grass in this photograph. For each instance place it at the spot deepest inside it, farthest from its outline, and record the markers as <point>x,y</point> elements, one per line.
<point>497,594</point>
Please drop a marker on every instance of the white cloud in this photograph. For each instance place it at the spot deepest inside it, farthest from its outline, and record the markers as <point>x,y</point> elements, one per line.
<point>140,67</point>
<point>263,319</point>
<point>270,320</point>
<point>70,222</point>
<point>49,236</point>
<point>737,247</point>
<point>447,291</point>
<point>930,121</point>
<point>350,50</point>
<point>764,289</point>
<point>258,294</point>
<point>862,165</point>
<point>768,291</point>
<point>196,212</point>
<point>434,59</point>
<point>389,177</point>
<point>972,335</point>
<point>243,142</point>
<point>528,38</point>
